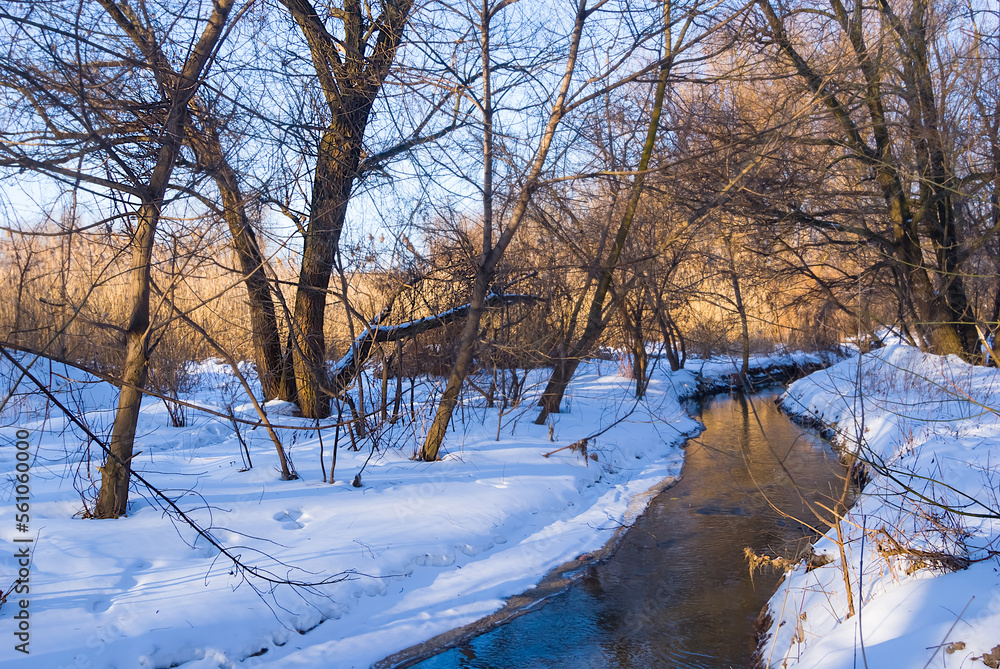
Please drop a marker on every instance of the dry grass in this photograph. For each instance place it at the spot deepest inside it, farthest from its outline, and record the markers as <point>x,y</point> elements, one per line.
<point>67,295</point>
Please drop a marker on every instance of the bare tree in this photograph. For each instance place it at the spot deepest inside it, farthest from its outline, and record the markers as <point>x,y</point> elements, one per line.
<point>76,118</point>
<point>204,139</point>
<point>677,22</point>
<point>492,256</point>
<point>351,65</point>
<point>883,105</point>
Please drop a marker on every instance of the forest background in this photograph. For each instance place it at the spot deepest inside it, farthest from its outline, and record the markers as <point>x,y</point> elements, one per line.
<point>357,197</point>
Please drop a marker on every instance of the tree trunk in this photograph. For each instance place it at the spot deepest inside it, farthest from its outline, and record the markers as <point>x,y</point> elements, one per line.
<point>112,500</point>
<point>556,387</point>
<point>386,361</point>
<point>351,73</point>
<point>745,327</point>
<point>397,402</point>
<point>487,266</point>
<point>942,315</point>
<point>331,192</point>
<point>263,318</point>
<point>449,398</point>
<point>673,340</point>
<point>640,359</point>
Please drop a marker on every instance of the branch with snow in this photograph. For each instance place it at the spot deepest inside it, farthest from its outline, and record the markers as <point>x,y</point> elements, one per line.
<point>345,369</point>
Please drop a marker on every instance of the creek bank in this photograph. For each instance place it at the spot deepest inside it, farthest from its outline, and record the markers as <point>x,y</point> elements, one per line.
<point>703,379</point>
<point>921,541</point>
<point>553,583</point>
<point>765,372</point>
<point>676,591</point>
<point>417,550</point>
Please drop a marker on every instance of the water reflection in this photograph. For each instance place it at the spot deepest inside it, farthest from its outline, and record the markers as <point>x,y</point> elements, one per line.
<point>677,592</point>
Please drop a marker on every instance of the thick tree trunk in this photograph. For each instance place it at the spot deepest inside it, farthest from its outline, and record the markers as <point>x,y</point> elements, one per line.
<point>351,72</point>
<point>339,153</point>
<point>555,389</point>
<point>937,323</point>
<point>935,210</point>
<point>943,318</point>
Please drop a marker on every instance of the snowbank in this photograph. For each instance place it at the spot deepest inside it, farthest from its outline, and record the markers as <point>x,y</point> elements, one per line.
<point>418,549</point>
<point>921,541</point>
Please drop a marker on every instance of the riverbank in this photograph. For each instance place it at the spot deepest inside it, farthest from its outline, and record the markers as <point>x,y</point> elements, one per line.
<point>921,542</point>
<point>703,379</point>
<point>416,550</point>
<point>675,591</point>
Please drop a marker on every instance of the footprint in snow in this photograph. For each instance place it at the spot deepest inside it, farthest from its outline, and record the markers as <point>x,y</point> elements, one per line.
<point>474,550</point>
<point>126,581</point>
<point>435,560</point>
<point>289,519</point>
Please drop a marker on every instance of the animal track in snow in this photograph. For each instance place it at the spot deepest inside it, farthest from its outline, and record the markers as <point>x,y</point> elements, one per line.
<point>434,560</point>
<point>474,550</point>
<point>126,581</point>
<point>289,519</point>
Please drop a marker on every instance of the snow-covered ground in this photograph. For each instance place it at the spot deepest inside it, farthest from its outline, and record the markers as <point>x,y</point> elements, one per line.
<point>418,549</point>
<point>922,539</point>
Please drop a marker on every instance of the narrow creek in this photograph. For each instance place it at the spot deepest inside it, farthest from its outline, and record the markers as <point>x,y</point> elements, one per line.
<point>676,592</point>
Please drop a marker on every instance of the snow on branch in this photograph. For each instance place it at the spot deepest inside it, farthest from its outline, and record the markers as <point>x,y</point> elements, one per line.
<point>346,368</point>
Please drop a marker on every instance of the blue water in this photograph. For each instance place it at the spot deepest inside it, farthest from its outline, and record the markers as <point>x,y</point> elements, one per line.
<point>677,591</point>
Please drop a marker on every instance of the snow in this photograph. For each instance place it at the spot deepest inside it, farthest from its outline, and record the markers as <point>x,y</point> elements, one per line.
<point>419,549</point>
<point>929,427</point>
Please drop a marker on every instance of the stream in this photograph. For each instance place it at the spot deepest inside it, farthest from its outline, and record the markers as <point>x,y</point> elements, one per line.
<point>677,592</point>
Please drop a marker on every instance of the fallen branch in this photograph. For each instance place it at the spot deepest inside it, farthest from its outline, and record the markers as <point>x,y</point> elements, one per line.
<point>576,447</point>
<point>345,369</point>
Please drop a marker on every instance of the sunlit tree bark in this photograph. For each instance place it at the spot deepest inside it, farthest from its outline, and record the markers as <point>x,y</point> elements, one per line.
<point>351,69</point>
<point>919,205</point>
